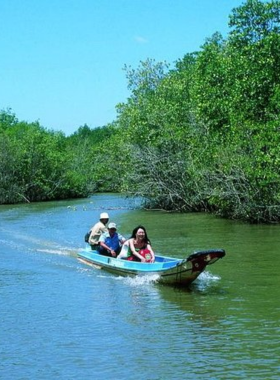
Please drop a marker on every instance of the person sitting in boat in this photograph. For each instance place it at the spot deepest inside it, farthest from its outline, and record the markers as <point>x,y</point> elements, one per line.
<point>110,242</point>
<point>138,247</point>
<point>97,230</point>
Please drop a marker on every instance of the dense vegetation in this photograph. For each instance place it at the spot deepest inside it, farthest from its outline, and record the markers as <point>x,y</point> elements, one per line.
<point>200,136</point>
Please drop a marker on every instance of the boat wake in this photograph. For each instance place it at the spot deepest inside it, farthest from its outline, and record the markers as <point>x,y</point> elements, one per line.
<point>140,280</point>
<point>205,280</point>
<point>207,276</point>
<point>29,243</point>
<point>64,251</point>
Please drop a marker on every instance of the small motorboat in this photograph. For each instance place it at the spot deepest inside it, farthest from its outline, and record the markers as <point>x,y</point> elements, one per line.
<point>171,271</point>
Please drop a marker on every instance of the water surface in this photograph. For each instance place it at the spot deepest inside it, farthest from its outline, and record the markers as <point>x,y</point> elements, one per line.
<point>60,319</point>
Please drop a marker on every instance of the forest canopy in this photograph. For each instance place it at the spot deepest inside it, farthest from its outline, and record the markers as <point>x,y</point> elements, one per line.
<point>200,136</point>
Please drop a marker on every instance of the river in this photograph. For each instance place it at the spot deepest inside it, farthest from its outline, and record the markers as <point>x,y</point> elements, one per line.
<point>60,319</point>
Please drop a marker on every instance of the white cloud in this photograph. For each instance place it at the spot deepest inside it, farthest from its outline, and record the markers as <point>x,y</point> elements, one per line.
<point>141,40</point>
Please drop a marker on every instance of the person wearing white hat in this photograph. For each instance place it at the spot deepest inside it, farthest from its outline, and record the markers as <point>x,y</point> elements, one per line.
<point>97,230</point>
<point>110,242</point>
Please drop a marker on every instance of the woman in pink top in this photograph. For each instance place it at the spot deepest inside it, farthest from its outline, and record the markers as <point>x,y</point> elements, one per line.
<point>138,247</point>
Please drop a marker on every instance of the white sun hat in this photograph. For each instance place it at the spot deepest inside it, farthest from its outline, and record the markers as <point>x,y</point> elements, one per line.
<point>112,225</point>
<point>104,215</point>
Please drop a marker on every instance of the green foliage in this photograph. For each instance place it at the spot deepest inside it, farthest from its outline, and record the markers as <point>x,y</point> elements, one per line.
<point>7,119</point>
<point>36,164</point>
<point>210,91</point>
<point>254,21</point>
<point>202,136</point>
<point>218,110</point>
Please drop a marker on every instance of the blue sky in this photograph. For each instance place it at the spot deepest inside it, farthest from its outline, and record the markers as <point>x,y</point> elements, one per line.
<point>61,61</point>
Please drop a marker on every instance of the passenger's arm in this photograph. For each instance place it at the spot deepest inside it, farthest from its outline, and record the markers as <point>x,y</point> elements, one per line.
<point>152,253</point>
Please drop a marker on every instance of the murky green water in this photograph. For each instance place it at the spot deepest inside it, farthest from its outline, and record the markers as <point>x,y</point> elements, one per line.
<point>62,320</point>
